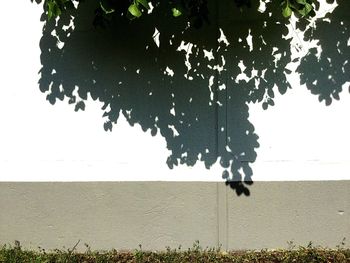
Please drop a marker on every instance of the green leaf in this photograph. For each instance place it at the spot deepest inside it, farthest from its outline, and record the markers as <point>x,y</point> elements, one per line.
<point>134,10</point>
<point>287,11</point>
<point>53,10</point>
<point>308,8</point>
<point>49,10</point>
<point>176,12</point>
<point>303,2</point>
<point>144,3</point>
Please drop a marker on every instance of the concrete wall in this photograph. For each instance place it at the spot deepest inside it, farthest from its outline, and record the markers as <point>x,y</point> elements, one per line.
<point>159,214</point>
<point>251,121</point>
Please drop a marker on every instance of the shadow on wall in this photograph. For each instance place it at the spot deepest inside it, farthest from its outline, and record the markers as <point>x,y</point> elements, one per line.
<point>191,85</point>
<point>326,70</point>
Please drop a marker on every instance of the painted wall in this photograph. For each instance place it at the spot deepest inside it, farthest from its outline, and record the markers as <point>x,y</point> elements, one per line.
<point>216,120</point>
<point>123,215</point>
<point>257,99</point>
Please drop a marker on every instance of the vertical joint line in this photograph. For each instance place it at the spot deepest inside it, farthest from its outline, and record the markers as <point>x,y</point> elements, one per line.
<point>216,84</point>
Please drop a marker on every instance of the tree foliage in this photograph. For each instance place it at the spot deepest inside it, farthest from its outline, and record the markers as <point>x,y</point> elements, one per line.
<point>195,10</point>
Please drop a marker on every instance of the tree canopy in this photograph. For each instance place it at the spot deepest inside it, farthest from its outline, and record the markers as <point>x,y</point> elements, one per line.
<point>195,10</point>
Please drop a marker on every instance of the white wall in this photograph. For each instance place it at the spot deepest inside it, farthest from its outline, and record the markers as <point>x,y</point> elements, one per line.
<point>299,138</point>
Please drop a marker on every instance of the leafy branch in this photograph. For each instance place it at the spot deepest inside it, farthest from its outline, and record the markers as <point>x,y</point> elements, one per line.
<point>193,8</point>
<point>299,7</point>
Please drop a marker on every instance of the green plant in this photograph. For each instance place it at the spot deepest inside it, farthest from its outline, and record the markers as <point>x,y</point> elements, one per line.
<point>193,8</point>
<point>16,254</point>
<point>299,7</point>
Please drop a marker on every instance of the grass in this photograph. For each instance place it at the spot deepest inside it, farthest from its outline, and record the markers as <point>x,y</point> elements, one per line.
<point>15,254</point>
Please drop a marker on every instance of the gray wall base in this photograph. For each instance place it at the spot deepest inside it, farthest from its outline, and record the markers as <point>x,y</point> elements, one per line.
<point>123,215</point>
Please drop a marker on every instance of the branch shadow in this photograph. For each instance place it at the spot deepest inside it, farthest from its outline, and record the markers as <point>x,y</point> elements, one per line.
<point>192,86</point>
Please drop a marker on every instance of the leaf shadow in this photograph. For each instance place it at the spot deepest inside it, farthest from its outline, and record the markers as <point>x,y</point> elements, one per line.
<point>190,88</point>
